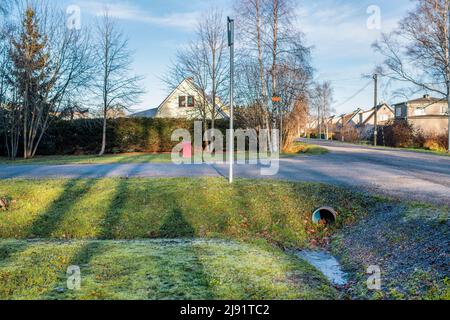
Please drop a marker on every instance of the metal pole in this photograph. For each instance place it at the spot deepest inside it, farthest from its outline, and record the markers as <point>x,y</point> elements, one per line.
<point>231,137</point>
<point>375,139</point>
<point>281,126</point>
<point>448,72</point>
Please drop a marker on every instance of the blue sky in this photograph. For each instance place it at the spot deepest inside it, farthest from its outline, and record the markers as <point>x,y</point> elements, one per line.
<point>337,30</point>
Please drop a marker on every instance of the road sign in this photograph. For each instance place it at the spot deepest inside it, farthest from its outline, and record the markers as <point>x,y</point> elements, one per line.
<point>276,99</point>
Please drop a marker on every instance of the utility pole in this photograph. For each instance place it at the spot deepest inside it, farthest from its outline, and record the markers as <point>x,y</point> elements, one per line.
<point>375,133</point>
<point>231,137</point>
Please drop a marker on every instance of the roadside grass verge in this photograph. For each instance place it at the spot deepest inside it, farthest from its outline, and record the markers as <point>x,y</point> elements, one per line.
<point>276,211</point>
<point>158,269</point>
<point>92,159</point>
<point>297,149</point>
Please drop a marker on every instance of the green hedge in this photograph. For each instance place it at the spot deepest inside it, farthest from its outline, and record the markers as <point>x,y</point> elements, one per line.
<point>123,135</point>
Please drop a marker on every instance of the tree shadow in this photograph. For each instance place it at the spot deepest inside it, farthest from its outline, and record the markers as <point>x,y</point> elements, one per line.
<point>48,222</point>
<point>115,212</point>
<point>175,225</point>
<point>8,249</point>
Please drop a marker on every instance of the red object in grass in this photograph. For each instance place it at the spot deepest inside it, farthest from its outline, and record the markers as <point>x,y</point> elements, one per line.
<point>187,150</point>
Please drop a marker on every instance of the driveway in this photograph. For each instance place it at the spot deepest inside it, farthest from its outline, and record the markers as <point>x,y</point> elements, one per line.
<point>403,174</point>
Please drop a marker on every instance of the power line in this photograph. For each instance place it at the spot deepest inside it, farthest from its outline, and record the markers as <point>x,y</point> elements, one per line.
<point>355,94</point>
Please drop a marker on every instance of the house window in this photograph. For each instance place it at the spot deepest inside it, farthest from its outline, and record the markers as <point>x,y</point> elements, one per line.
<point>444,110</point>
<point>186,101</point>
<point>419,112</point>
<point>398,112</point>
<point>191,102</point>
<point>384,117</point>
<point>182,101</point>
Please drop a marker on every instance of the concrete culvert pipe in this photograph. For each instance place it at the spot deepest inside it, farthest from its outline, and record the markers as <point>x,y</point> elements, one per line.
<point>325,214</point>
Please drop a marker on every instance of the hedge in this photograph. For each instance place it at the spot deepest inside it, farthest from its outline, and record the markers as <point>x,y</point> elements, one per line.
<point>123,135</point>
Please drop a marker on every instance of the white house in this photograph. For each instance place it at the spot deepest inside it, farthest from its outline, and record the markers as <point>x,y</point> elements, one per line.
<point>185,102</point>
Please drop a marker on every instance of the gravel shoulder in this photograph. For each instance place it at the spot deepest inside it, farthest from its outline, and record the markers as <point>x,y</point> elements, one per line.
<point>410,244</point>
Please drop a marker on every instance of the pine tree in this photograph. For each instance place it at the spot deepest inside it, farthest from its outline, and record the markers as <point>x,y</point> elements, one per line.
<point>30,59</point>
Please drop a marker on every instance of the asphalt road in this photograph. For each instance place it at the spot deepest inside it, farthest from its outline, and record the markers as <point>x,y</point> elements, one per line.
<point>403,174</point>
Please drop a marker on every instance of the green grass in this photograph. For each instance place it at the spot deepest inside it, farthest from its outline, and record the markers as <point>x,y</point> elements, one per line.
<point>276,211</point>
<point>155,270</point>
<point>114,229</point>
<point>140,157</point>
<point>92,159</point>
<point>421,150</point>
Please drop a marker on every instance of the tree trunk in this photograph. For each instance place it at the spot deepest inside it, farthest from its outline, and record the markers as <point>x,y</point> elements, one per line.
<point>102,151</point>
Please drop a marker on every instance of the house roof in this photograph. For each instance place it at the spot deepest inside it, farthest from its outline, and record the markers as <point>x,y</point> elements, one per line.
<point>426,99</point>
<point>153,112</point>
<point>380,106</point>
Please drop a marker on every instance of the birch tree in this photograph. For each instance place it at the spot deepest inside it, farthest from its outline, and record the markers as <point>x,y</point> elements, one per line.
<point>272,46</point>
<point>116,86</point>
<point>321,101</point>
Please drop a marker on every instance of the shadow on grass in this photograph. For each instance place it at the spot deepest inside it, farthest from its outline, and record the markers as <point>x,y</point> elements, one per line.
<point>48,222</point>
<point>176,226</point>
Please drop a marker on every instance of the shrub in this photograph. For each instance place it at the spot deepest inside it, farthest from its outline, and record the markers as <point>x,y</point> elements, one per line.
<point>436,142</point>
<point>123,135</point>
<point>348,134</point>
<point>399,134</point>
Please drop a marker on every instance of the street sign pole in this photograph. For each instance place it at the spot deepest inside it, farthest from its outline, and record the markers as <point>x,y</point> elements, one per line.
<point>231,137</point>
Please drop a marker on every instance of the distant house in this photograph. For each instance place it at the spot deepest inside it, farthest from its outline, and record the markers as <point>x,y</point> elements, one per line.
<point>183,103</point>
<point>427,114</point>
<point>366,119</point>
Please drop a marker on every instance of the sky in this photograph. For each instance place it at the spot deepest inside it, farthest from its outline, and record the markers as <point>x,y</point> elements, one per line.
<point>340,32</point>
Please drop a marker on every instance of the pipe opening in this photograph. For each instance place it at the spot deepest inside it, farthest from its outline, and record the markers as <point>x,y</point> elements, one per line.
<point>324,215</point>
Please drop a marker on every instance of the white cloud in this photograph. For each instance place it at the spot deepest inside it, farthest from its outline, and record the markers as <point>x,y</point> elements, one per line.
<point>126,11</point>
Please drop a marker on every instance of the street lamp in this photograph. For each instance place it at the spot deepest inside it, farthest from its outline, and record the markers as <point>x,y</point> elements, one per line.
<point>230,28</point>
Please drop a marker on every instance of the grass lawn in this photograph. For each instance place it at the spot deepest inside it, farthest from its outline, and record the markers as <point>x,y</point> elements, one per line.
<point>155,270</point>
<point>201,238</point>
<point>298,149</point>
<point>113,229</point>
<point>276,211</point>
<point>93,159</point>
<point>421,150</point>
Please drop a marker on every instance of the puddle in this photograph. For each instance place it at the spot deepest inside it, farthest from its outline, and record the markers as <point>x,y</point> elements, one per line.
<point>325,263</point>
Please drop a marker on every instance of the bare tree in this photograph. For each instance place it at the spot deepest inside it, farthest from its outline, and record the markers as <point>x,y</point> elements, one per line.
<point>321,102</point>
<point>204,62</point>
<point>5,6</point>
<point>274,57</point>
<point>417,53</point>
<point>118,89</point>
<point>212,35</point>
<point>10,110</point>
<point>48,63</point>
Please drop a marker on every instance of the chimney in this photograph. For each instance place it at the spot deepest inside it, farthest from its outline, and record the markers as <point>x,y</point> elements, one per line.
<point>427,96</point>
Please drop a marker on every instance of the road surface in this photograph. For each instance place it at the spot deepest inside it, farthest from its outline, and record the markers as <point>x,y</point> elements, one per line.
<point>403,174</point>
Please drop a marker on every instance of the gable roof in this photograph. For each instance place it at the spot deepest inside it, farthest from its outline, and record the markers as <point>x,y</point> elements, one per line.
<point>189,81</point>
<point>426,99</point>
<point>379,107</point>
